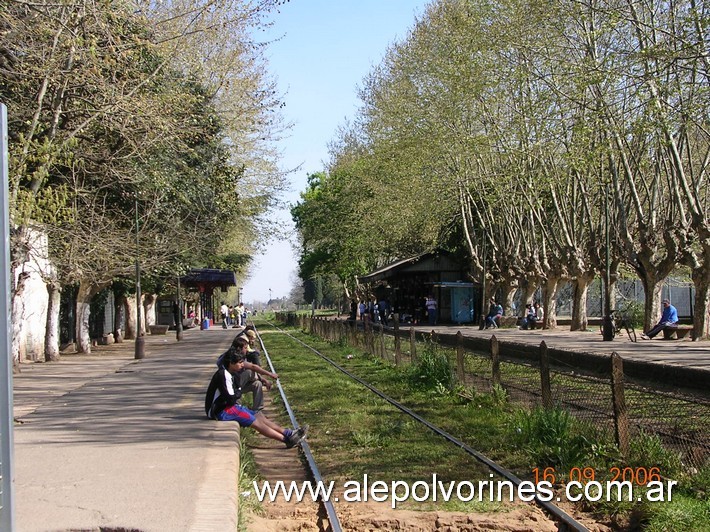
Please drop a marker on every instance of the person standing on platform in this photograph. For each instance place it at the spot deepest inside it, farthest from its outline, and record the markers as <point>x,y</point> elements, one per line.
<point>432,310</point>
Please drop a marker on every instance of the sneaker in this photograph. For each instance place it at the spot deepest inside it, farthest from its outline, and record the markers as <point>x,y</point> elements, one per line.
<point>644,337</point>
<point>296,436</point>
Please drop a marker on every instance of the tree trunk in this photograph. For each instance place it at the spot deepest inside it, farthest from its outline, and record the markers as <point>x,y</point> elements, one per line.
<point>652,300</point>
<point>83,310</point>
<point>580,289</point>
<point>51,334</point>
<point>507,299</point>
<point>131,322</point>
<point>130,305</point>
<point>120,319</point>
<point>149,309</point>
<point>529,289</point>
<point>18,309</point>
<point>701,304</point>
<point>549,299</point>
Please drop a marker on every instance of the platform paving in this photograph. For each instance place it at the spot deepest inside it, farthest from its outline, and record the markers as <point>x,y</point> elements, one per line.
<point>685,353</point>
<point>107,442</point>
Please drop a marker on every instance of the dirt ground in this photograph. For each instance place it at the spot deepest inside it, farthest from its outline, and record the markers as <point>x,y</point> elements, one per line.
<point>365,517</point>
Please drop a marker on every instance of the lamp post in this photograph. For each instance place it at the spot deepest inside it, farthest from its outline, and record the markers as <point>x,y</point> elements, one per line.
<point>178,313</point>
<point>269,304</point>
<point>607,324</point>
<point>140,341</point>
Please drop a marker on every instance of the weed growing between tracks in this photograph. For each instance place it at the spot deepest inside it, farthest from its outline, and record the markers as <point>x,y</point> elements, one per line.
<point>353,432</point>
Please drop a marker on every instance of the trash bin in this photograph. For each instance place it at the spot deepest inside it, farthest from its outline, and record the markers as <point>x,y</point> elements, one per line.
<point>607,329</point>
<point>205,324</point>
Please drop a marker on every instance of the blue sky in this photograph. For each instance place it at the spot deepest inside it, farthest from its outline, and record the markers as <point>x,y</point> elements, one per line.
<point>326,49</point>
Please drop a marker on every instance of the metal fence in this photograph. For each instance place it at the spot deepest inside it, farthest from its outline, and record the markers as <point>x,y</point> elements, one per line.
<point>626,292</point>
<point>607,400</point>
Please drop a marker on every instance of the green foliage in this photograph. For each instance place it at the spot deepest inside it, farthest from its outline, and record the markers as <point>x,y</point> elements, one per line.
<point>550,438</point>
<point>678,515</point>
<point>432,369</point>
<point>113,135</point>
<point>634,312</point>
<point>499,395</point>
<point>647,450</point>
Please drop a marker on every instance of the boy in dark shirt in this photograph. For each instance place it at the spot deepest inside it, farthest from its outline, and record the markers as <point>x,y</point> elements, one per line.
<point>222,397</point>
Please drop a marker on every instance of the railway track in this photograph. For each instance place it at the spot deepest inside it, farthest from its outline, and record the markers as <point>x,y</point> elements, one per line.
<point>563,520</point>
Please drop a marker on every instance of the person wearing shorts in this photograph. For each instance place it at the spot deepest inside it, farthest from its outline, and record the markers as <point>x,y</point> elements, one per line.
<point>222,397</point>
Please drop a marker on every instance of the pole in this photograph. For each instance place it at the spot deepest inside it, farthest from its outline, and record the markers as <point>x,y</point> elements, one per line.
<point>607,324</point>
<point>7,474</point>
<point>482,317</point>
<point>178,313</point>
<point>140,341</point>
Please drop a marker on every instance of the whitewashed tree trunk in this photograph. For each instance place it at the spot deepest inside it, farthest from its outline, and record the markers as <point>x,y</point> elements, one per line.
<point>149,307</point>
<point>131,318</point>
<point>51,335</point>
<point>18,309</point>
<point>83,310</point>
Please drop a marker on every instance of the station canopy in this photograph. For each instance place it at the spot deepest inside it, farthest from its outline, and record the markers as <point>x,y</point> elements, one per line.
<point>207,279</point>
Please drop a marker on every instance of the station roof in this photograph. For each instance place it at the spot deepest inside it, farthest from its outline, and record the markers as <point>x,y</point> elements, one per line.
<point>436,261</point>
<point>209,278</point>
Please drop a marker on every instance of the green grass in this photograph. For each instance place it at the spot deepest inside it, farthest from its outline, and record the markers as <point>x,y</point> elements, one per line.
<point>353,432</point>
<point>248,503</point>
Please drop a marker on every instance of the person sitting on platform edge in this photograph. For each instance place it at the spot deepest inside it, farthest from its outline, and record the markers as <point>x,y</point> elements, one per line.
<point>669,318</point>
<point>495,311</point>
<point>248,379</point>
<point>222,396</point>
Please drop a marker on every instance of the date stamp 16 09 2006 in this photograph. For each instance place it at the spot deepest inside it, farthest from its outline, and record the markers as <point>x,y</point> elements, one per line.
<point>616,483</point>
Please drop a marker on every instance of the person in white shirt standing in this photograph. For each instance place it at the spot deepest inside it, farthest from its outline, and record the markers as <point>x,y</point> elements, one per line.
<point>432,310</point>
<point>224,310</point>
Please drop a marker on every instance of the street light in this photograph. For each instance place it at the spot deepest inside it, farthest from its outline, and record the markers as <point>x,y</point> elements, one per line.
<point>269,298</point>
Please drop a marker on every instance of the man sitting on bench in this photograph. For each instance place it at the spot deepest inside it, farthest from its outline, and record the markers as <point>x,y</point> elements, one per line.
<point>669,318</point>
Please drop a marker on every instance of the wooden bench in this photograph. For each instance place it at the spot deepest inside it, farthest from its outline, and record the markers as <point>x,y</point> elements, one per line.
<point>677,333</point>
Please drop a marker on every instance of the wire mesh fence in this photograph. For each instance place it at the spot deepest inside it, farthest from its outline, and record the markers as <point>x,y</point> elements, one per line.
<point>612,404</point>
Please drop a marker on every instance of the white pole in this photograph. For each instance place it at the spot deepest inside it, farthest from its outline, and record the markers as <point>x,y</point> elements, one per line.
<point>7,517</point>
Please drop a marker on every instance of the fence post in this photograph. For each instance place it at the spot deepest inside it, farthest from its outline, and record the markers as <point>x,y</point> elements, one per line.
<point>383,350</point>
<point>495,359</point>
<point>621,418</point>
<point>412,345</point>
<point>459,358</point>
<point>545,376</point>
<point>369,338</point>
<point>397,342</point>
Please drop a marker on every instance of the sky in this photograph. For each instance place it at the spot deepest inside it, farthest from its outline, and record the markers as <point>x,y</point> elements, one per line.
<point>326,48</point>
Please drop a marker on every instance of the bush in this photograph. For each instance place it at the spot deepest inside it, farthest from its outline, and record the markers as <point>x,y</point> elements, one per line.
<point>432,370</point>
<point>647,450</point>
<point>548,436</point>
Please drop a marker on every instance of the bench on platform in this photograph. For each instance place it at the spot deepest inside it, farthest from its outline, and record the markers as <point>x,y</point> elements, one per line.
<point>677,333</point>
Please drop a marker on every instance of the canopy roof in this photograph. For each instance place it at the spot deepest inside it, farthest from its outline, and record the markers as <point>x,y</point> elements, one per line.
<point>207,278</point>
<point>437,261</point>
